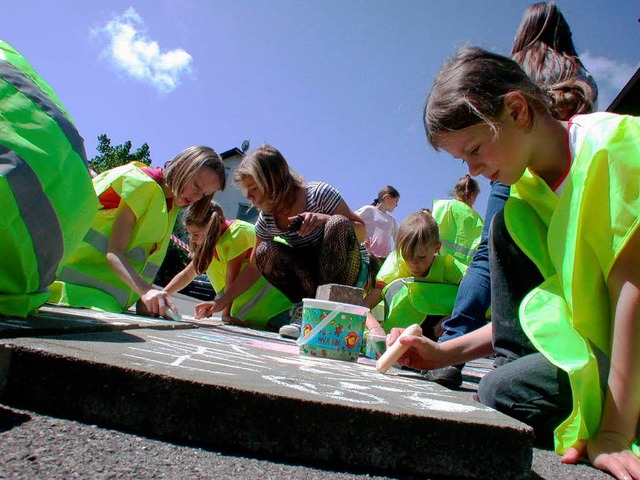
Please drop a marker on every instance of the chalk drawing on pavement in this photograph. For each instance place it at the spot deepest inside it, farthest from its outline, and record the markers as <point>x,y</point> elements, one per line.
<point>279,364</point>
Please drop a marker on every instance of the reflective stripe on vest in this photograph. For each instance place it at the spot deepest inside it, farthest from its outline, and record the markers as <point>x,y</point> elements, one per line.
<point>246,308</point>
<point>469,252</point>
<point>73,276</point>
<point>22,83</point>
<point>37,212</point>
<point>100,242</point>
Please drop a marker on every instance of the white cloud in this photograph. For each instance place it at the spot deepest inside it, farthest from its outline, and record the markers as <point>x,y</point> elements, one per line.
<point>610,75</point>
<point>131,51</point>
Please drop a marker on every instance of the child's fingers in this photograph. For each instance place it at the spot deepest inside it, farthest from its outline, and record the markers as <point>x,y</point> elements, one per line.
<point>574,453</point>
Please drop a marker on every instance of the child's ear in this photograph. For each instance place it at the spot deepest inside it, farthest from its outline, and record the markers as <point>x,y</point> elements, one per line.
<point>437,250</point>
<point>518,109</point>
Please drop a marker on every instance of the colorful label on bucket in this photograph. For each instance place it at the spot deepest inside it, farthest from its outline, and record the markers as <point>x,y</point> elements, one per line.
<point>340,339</point>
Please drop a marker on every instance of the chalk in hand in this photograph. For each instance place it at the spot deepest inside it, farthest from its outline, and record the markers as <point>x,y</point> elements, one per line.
<point>395,351</point>
<point>170,314</point>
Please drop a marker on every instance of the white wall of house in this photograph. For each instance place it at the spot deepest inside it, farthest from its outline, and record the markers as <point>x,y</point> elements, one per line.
<point>233,203</point>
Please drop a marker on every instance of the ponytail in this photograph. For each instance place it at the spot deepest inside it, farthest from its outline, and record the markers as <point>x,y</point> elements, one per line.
<point>465,188</point>
<point>211,222</point>
<point>388,190</point>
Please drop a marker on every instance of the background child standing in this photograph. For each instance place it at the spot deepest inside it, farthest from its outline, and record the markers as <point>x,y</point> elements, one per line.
<point>382,228</point>
<point>460,225</point>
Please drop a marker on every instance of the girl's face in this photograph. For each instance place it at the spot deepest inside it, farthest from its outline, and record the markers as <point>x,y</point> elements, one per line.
<point>204,183</point>
<point>389,203</point>
<point>420,264</point>
<point>502,158</point>
<point>195,234</point>
<point>253,193</point>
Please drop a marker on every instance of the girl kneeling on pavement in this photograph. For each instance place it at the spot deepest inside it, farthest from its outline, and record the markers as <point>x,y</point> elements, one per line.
<point>222,248</point>
<point>320,232</point>
<point>565,270</point>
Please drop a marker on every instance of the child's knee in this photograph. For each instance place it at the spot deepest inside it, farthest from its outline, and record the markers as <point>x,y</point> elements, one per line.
<point>494,390</point>
<point>338,222</point>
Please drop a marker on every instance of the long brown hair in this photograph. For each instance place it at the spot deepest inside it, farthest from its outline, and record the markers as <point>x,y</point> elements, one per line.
<point>465,188</point>
<point>543,46</point>
<point>470,88</point>
<point>272,174</point>
<point>186,165</point>
<point>388,190</point>
<point>210,223</point>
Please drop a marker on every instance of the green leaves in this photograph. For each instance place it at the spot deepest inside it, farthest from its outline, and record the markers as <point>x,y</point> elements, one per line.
<point>110,156</point>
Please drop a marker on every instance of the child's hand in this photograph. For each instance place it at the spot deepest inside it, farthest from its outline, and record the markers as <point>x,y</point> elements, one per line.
<point>155,302</point>
<point>310,221</point>
<point>608,451</point>
<point>206,309</point>
<point>423,354</point>
<point>234,321</point>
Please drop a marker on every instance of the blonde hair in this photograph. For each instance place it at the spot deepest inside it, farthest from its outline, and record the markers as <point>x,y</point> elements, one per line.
<point>273,176</point>
<point>418,230</point>
<point>186,165</point>
<point>210,222</point>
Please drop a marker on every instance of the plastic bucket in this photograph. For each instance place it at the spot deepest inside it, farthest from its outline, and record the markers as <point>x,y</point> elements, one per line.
<point>331,329</point>
<point>374,345</point>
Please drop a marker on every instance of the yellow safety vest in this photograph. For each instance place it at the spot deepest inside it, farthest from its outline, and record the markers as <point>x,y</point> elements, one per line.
<point>408,300</point>
<point>261,301</point>
<point>47,198</point>
<point>575,239</point>
<point>460,229</point>
<point>86,279</point>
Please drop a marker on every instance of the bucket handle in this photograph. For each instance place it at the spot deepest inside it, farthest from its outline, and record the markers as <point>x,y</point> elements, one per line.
<point>321,325</point>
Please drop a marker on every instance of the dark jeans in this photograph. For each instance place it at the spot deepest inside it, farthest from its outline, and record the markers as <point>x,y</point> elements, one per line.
<point>525,385</point>
<point>474,293</point>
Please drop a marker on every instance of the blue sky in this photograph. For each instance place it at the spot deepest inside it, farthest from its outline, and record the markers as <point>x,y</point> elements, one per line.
<point>337,85</point>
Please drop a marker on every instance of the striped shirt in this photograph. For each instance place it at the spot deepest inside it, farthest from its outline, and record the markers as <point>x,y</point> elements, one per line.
<point>321,198</point>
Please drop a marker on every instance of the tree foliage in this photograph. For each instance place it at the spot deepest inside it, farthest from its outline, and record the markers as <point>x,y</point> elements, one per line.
<point>114,156</point>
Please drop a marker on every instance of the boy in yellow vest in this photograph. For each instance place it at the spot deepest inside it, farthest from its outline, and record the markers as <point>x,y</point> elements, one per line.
<point>416,284</point>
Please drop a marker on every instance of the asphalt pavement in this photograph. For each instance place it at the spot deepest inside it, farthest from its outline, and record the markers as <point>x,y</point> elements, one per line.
<point>214,401</point>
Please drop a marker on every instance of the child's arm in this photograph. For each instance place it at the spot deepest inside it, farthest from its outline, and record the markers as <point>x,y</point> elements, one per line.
<point>425,354</point>
<point>154,300</point>
<point>181,279</point>
<point>358,224</point>
<point>233,269</point>
<point>609,449</point>
<point>370,301</point>
<point>241,284</point>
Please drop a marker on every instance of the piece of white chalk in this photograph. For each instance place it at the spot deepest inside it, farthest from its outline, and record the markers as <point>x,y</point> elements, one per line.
<point>171,315</point>
<point>395,351</point>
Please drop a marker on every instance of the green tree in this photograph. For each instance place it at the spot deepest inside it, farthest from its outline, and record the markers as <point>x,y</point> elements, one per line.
<point>110,157</point>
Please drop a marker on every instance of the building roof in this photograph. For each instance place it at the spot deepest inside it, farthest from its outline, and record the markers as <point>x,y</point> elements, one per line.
<point>235,151</point>
<point>628,100</point>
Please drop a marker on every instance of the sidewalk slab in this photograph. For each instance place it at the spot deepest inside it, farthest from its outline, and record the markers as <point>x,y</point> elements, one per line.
<point>56,320</point>
<point>235,388</point>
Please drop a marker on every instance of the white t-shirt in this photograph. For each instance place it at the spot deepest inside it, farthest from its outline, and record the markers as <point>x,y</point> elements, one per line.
<point>579,126</point>
<point>381,229</point>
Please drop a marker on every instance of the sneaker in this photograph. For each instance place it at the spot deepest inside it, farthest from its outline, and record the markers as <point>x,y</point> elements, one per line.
<point>450,377</point>
<point>293,329</point>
